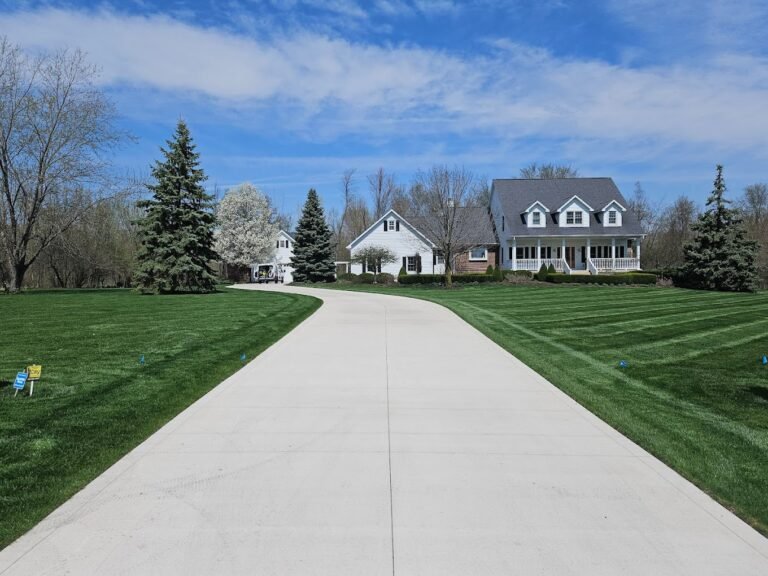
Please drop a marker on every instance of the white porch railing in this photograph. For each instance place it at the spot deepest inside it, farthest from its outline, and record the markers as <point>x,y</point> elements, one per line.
<point>566,268</point>
<point>591,266</point>
<point>535,265</point>
<point>527,264</point>
<point>616,264</point>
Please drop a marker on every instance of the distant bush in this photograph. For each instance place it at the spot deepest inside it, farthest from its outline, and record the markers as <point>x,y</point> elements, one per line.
<point>515,274</point>
<point>472,278</point>
<point>421,279</point>
<point>628,278</point>
<point>551,269</point>
<point>489,270</point>
<point>541,276</point>
<point>346,277</point>
<point>498,274</point>
<point>365,278</point>
<point>385,278</point>
<point>403,272</point>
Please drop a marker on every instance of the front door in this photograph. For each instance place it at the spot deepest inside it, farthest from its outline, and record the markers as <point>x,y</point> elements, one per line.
<point>570,256</point>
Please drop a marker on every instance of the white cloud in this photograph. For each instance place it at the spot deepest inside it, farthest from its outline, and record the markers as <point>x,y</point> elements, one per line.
<point>333,86</point>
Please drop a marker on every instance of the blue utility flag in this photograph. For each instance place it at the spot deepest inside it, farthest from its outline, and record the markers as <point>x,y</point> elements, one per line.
<point>242,357</point>
<point>141,359</point>
<point>623,364</point>
<point>765,359</point>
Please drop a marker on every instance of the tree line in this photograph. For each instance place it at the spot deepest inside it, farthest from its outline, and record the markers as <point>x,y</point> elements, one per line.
<point>66,220</point>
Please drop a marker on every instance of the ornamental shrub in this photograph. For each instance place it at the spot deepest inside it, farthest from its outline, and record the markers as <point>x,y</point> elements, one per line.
<point>365,278</point>
<point>403,272</point>
<point>489,270</point>
<point>385,278</point>
<point>542,274</point>
<point>421,279</point>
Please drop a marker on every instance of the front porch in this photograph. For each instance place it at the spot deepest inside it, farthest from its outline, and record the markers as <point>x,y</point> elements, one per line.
<point>575,255</point>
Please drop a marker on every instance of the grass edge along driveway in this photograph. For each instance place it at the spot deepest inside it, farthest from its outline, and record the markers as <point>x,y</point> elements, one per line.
<point>694,393</point>
<point>96,401</point>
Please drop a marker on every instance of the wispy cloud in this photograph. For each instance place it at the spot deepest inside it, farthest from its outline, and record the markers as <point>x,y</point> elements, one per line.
<point>332,87</point>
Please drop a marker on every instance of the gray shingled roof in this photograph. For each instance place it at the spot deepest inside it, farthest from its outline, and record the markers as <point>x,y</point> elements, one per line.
<point>478,224</point>
<point>516,195</point>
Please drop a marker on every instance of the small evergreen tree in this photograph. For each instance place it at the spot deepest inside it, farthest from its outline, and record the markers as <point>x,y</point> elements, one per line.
<point>176,232</point>
<point>313,252</point>
<point>542,275</point>
<point>720,257</point>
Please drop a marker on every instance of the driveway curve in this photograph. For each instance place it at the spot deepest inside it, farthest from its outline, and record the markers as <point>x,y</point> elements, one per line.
<point>386,436</point>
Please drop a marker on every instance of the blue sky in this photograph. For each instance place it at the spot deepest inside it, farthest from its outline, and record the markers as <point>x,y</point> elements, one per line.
<point>288,94</point>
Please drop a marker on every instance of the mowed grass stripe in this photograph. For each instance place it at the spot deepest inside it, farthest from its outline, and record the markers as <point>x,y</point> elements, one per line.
<point>694,393</point>
<point>95,401</point>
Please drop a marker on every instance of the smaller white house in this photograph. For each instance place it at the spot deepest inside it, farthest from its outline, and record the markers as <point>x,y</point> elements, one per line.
<point>278,267</point>
<point>414,251</point>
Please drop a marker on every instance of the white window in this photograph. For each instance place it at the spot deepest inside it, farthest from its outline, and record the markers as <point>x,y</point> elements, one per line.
<point>439,258</point>
<point>537,218</point>
<point>411,262</point>
<point>573,217</point>
<point>612,217</point>
<point>477,254</point>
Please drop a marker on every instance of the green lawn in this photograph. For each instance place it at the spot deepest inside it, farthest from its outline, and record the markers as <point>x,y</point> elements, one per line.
<point>694,392</point>
<point>95,401</point>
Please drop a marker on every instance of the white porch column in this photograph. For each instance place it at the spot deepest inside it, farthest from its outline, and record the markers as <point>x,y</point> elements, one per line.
<point>514,253</point>
<point>589,250</point>
<point>538,254</point>
<point>613,253</point>
<point>638,253</point>
<point>562,252</point>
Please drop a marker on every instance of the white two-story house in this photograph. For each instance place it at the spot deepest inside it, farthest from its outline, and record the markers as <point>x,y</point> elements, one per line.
<point>579,225</point>
<point>278,266</point>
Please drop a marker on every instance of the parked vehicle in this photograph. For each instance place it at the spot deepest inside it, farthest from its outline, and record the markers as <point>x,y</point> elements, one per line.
<point>265,273</point>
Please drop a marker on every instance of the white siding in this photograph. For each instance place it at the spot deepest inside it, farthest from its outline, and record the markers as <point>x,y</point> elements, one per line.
<point>402,243</point>
<point>574,206</point>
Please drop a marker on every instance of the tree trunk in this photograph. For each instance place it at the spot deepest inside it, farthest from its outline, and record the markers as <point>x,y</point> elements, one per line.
<point>17,277</point>
<point>448,275</point>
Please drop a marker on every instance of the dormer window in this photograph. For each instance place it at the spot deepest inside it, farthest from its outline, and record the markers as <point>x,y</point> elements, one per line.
<point>612,217</point>
<point>536,218</point>
<point>573,217</point>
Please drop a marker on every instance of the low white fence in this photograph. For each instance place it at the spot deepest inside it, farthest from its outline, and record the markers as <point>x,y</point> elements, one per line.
<point>535,265</point>
<point>613,264</point>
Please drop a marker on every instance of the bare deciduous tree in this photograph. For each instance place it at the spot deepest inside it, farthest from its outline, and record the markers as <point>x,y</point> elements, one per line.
<point>754,206</point>
<point>55,128</point>
<point>548,171</point>
<point>439,199</point>
<point>382,187</point>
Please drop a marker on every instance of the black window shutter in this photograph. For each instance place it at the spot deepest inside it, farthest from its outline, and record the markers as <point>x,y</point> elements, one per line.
<point>385,225</point>
<point>397,225</point>
<point>418,263</point>
<point>434,258</point>
<point>405,263</point>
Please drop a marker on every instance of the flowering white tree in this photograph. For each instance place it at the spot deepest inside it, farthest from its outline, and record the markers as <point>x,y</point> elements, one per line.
<point>247,227</point>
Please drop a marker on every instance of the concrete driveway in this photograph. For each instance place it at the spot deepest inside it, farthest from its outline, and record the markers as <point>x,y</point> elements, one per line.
<point>386,436</point>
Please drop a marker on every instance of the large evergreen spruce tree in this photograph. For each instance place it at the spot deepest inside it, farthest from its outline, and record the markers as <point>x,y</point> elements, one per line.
<point>720,256</point>
<point>313,252</point>
<point>176,232</point>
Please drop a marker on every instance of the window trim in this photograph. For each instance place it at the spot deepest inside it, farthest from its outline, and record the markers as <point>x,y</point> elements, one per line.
<point>483,259</point>
<point>410,264</point>
<point>613,218</point>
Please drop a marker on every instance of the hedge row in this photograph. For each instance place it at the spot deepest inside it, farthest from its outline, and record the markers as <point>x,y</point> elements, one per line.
<point>629,278</point>
<point>440,279</point>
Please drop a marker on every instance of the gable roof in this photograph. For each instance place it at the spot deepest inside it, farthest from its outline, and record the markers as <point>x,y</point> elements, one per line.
<point>386,215</point>
<point>514,195</point>
<point>475,220</point>
<point>286,234</point>
<point>537,202</point>
<point>619,204</point>
<point>571,199</point>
